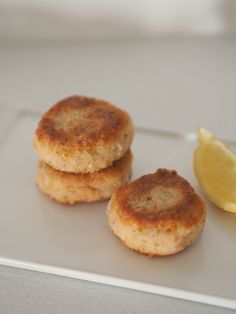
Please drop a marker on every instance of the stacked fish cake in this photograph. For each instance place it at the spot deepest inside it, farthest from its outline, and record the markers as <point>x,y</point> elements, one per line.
<point>84,147</point>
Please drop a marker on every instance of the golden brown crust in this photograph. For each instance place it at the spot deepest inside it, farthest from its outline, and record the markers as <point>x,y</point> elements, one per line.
<point>82,121</point>
<point>81,134</point>
<point>158,214</point>
<point>70,188</point>
<point>177,199</point>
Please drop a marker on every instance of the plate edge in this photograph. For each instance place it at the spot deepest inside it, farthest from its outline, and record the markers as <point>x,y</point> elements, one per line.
<point>119,282</point>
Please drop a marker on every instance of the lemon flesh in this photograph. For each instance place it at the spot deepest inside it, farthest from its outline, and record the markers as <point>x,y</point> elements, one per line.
<point>215,169</point>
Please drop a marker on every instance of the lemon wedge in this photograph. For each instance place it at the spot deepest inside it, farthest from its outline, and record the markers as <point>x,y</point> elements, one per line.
<point>215,169</point>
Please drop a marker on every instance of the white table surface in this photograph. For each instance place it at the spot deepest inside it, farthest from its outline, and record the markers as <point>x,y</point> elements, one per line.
<point>171,84</point>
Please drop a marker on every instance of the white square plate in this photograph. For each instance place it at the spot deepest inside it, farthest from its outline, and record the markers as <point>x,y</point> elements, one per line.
<point>37,233</point>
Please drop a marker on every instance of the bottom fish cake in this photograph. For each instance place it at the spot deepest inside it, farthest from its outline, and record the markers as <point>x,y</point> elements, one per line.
<point>70,188</point>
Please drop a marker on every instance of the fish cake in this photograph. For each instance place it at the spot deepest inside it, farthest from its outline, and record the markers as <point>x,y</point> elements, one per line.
<point>157,214</point>
<point>81,134</point>
<point>70,188</point>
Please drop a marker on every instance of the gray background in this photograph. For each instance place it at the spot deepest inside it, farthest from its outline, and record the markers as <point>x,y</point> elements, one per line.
<point>30,292</point>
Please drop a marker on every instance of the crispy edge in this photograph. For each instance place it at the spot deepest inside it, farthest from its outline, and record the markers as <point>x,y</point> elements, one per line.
<point>116,168</point>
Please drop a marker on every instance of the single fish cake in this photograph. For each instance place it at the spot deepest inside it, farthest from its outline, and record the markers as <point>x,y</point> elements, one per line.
<point>70,188</point>
<point>81,134</point>
<point>158,214</point>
